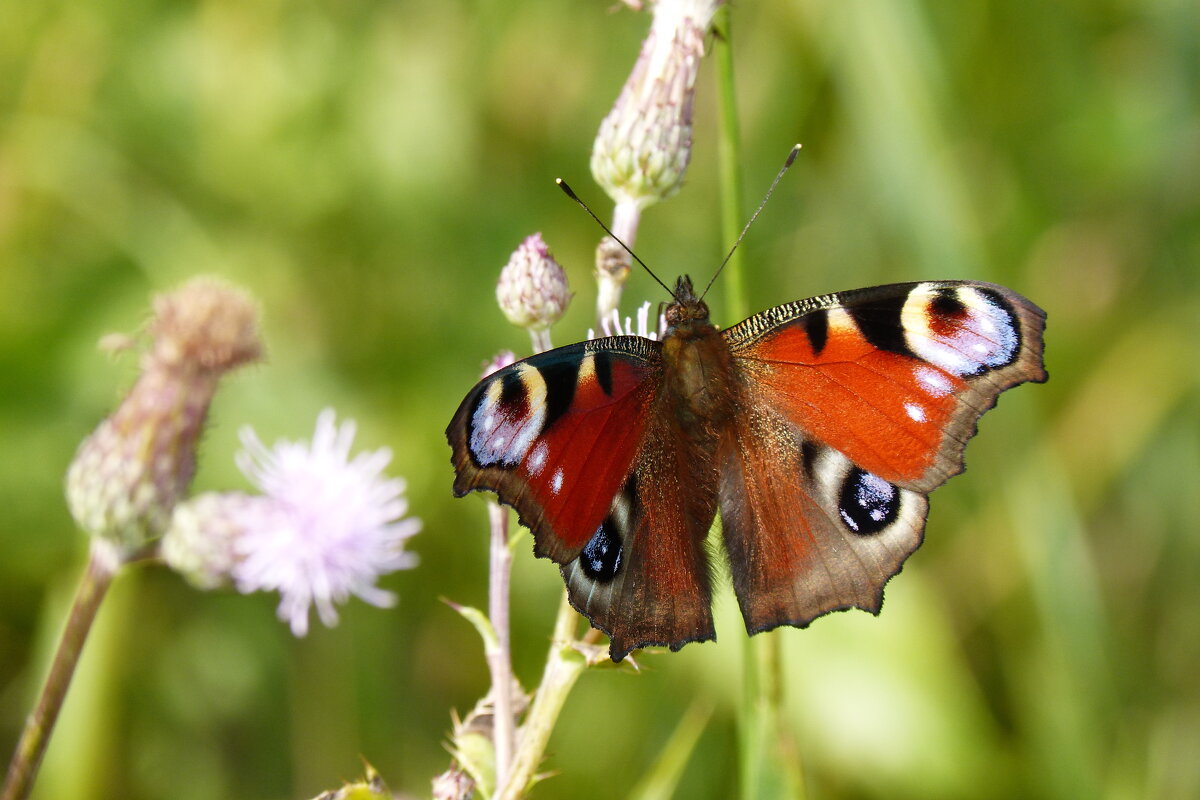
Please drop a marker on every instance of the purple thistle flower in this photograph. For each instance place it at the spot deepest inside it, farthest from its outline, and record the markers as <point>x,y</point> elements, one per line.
<point>337,523</point>
<point>325,527</point>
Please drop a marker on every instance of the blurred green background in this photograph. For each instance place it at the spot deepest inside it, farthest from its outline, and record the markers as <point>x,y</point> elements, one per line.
<point>365,169</point>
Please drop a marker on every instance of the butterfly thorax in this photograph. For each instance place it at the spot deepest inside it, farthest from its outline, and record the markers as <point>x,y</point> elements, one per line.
<point>697,364</point>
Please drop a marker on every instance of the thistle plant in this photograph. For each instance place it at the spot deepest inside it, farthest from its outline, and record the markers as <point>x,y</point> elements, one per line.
<point>640,157</point>
<point>325,526</point>
<point>643,147</point>
<point>131,471</point>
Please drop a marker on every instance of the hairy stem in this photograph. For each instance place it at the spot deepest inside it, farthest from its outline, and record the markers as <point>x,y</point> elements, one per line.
<point>500,658</point>
<point>564,664</point>
<point>540,340</point>
<point>102,566</point>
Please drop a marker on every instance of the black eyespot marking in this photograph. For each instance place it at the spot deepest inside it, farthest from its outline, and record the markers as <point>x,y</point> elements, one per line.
<point>512,389</point>
<point>601,556</point>
<point>868,503</point>
<point>561,378</point>
<point>808,456</point>
<point>945,303</point>
<point>816,326</point>
<point>603,367</point>
<point>880,322</point>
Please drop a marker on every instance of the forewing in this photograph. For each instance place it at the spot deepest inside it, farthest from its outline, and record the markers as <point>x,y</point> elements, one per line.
<point>893,377</point>
<point>556,436</point>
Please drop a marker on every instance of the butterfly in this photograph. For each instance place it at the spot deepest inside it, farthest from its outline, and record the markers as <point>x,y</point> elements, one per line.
<point>817,429</point>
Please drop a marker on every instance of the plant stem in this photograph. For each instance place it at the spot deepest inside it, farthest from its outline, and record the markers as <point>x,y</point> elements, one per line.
<point>500,658</point>
<point>540,341</point>
<point>102,566</point>
<point>769,767</point>
<point>728,160</point>
<point>564,664</point>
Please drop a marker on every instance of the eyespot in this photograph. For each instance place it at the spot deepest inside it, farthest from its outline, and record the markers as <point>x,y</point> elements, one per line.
<point>868,503</point>
<point>601,556</point>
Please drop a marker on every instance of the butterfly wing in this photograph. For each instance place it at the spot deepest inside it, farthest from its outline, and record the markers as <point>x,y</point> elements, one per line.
<point>576,441</point>
<point>555,436</point>
<point>643,578</point>
<point>857,405</point>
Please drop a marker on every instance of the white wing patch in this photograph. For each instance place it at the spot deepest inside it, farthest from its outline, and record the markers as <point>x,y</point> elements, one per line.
<point>983,334</point>
<point>503,429</point>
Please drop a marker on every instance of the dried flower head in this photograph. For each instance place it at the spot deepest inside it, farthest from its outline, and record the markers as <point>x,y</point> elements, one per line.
<point>129,473</point>
<point>326,527</point>
<point>532,290</point>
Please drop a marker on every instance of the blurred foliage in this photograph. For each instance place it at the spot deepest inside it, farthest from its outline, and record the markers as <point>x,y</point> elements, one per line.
<point>365,168</point>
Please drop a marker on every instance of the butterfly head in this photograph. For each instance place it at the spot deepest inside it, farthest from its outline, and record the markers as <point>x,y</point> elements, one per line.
<point>686,307</point>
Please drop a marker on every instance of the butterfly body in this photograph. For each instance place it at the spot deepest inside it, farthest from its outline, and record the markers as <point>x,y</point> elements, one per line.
<point>816,428</point>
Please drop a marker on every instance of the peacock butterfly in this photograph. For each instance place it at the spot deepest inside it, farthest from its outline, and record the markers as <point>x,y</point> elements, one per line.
<point>817,428</point>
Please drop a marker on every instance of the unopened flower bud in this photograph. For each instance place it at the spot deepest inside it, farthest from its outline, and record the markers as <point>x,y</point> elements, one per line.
<point>532,290</point>
<point>201,542</point>
<point>129,473</point>
<point>642,149</point>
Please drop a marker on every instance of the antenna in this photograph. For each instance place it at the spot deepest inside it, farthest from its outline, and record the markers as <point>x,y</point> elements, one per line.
<point>571,194</point>
<point>790,158</point>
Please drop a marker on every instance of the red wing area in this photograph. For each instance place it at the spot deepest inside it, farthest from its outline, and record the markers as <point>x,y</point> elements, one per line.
<point>893,377</point>
<point>643,577</point>
<point>556,435</point>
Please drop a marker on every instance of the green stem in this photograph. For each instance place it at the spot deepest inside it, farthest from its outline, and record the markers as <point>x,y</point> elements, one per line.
<point>564,665</point>
<point>102,566</point>
<point>769,767</point>
<point>728,158</point>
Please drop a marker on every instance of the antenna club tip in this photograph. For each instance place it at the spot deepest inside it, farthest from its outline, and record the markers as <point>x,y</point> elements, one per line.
<point>566,189</point>
<point>795,152</point>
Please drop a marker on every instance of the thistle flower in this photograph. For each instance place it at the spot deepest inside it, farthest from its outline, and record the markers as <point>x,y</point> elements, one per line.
<point>532,290</point>
<point>326,526</point>
<point>644,144</point>
<point>498,362</point>
<point>129,473</point>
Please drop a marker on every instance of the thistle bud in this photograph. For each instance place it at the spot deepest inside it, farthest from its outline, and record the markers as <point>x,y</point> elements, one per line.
<point>129,473</point>
<point>202,541</point>
<point>532,290</point>
<point>642,149</point>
